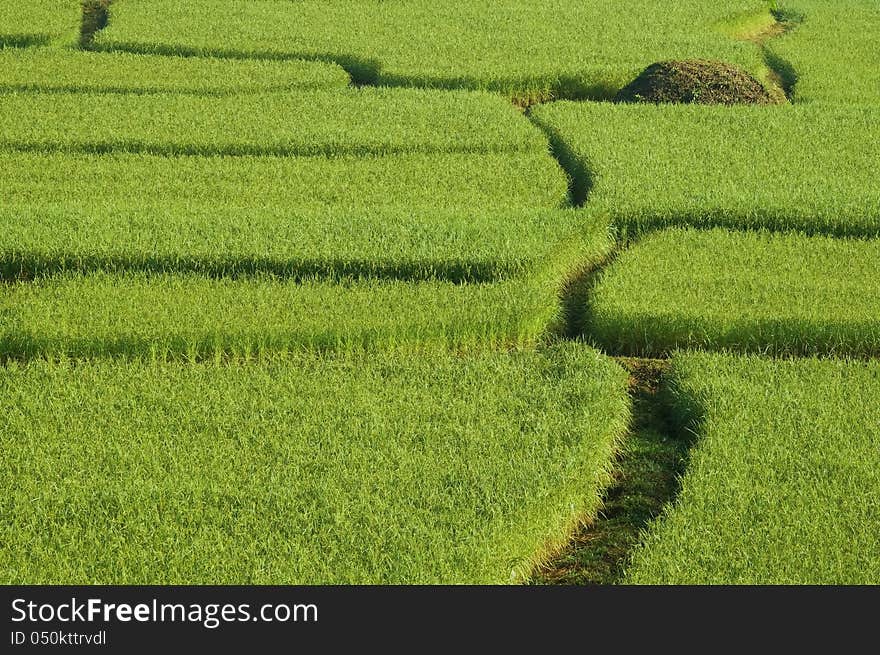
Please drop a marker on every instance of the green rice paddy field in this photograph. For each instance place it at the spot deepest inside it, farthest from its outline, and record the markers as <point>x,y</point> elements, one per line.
<point>398,292</point>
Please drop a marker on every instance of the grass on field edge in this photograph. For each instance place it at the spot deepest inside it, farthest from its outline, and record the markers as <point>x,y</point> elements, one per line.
<point>758,28</point>
<point>651,459</point>
<point>778,75</point>
<point>95,17</point>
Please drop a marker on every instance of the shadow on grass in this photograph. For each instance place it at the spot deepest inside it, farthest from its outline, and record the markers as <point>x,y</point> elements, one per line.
<point>362,71</point>
<point>575,296</point>
<point>23,40</point>
<point>95,17</point>
<point>330,150</point>
<point>26,268</point>
<point>580,177</point>
<point>648,470</point>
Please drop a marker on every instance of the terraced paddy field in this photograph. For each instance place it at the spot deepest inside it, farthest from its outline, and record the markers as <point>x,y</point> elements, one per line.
<point>53,70</point>
<point>782,486</point>
<point>367,467</point>
<point>136,305</point>
<point>405,292</point>
<point>528,51</point>
<point>786,294</point>
<point>806,167</point>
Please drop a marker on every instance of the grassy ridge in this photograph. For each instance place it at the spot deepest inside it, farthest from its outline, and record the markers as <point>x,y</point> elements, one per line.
<point>531,51</point>
<point>809,167</point>
<point>37,22</point>
<point>125,184</point>
<point>783,293</point>
<point>172,315</point>
<point>833,50</point>
<point>466,245</point>
<point>186,316</point>
<point>783,484</point>
<point>378,467</point>
<point>295,242</point>
<point>59,70</point>
<point>194,316</point>
<point>319,122</point>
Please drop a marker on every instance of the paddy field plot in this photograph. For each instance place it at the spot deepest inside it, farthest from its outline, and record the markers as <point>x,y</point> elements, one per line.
<point>783,484</point>
<point>808,167</point>
<point>786,294</point>
<point>832,51</point>
<point>365,467</point>
<point>417,242</point>
<point>57,70</point>
<point>526,50</point>
<point>319,122</point>
<point>204,302</point>
<point>186,316</point>
<point>39,22</point>
<point>118,184</point>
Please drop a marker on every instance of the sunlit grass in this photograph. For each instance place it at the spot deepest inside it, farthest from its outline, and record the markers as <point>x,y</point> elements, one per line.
<point>316,122</point>
<point>782,486</point>
<point>39,69</point>
<point>809,167</point>
<point>39,22</point>
<point>786,294</point>
<point>379,467</point>
<point>833,50</point>
<point>530,51</point>
<point>109,188</point>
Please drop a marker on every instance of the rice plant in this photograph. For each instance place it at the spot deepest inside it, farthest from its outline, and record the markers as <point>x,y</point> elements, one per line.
<point>46,69</point>
<point>786,294</point>
<point>530,51</point>
<point>809,167</point>
<point>782,485</point>
<point>378,467</point>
